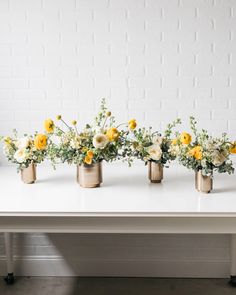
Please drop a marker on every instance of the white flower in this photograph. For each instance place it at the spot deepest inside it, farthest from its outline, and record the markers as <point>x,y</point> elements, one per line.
<point>23,142</point>
<point>209,145</point>
<point>218,158</point>
<point>65,138</point>
<point>100,141</point>
<point>174,150</point>
<point>6,150</point>
<point>75,142</point>
<point>154,152</point>
<point>20,155</point>
<point>157,140</point>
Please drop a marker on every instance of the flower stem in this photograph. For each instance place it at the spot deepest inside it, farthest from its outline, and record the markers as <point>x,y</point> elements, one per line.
<point>65,124</point>
<point>104,123</point>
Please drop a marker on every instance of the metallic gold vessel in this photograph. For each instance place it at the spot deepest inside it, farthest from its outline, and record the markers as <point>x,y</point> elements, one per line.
<point>28,175</point>
<point>203,183</point>
<point>89,176</point>
<point>155,172</point>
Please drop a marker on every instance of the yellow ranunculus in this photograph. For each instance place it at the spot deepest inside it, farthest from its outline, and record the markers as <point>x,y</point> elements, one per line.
<point>88,160</point>
<point>40,141</point>
<point>233,148</point>
<point>198,155</point>
<point>90,154</point>
<point>132,124</point>
<point>185,138</point>
<point>196,152</point>
<point>112,134</point>
<point>49,125</point>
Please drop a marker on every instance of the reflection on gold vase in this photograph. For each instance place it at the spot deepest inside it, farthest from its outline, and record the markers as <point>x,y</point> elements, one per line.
<point>89,176</point>
<point>28,175</point>
<point>203,183</point>
<point>155,172</point>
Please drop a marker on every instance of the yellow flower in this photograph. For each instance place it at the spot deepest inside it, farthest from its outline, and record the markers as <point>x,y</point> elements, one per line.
<point>88,160</point>
<point>174,141</point>
<point>58,117</point>
<point>233,148</point>
<point>108,114</point>
<point>112,134</point>
<point>185,138</point>
<point>90,154</point>
<point>40,141</point>
<point>49,125</point>
<point>74,122</point>
<point>196,152</point>
<point>7,140</point>
<point>132,124</point>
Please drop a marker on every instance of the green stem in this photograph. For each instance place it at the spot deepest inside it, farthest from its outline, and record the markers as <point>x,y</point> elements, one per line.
<point>121,125</point>
<point>76,130</point>
<point>104,123</point>
<point>66,124</point>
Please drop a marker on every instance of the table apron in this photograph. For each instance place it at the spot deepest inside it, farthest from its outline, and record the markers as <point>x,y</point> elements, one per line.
<point>83,224</point>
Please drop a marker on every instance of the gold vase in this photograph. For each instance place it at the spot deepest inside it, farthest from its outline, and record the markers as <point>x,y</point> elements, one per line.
<point>89,176</point>
<point>155,172</point>
<point>28,175</point>
<point>203,183</point>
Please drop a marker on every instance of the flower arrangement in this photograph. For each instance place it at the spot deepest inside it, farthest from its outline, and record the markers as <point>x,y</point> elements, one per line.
<point>203,152</point>
<point>105,140</point>
<point>148,145</point>
<point>101,141</point>
<point>25,150</point>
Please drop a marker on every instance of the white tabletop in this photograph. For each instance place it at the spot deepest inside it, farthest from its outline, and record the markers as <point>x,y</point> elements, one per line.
<point>125,191</point>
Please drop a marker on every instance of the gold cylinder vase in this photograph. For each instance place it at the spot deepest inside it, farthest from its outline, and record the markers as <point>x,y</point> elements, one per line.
<point>155,172</point>
<point>203,183</point>
<point>89,176</point>
<point>28,175</point>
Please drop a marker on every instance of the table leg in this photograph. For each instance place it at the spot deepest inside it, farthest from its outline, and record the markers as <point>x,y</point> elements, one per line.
<point>232,281</point>
<point>9,279</point>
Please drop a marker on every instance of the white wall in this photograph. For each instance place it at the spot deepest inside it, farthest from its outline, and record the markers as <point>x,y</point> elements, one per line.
<point>153,60</point>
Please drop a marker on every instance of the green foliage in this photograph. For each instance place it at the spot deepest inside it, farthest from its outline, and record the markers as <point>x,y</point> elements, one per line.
<point>212,153</point>
<point>148,145</point>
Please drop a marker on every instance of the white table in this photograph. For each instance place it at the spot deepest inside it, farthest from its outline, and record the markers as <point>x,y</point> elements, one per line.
<point>126,203</point>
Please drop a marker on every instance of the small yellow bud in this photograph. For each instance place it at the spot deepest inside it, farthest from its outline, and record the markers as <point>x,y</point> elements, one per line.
<point>132,124</point>
<point>58,117</point>
<point>108,114</point>
<point>74,122</point>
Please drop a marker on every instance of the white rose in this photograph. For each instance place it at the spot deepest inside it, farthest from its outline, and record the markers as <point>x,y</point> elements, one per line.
<point>100,141</point>
<point>218,158</point>
<point>23,142</point>
<point>20,155</point>
<point>154,152</point>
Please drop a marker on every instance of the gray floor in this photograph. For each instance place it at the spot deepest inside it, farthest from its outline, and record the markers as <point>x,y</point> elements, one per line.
<point>116,286</point>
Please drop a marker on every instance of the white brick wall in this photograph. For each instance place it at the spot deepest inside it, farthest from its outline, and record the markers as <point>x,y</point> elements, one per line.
<point>152,59</point>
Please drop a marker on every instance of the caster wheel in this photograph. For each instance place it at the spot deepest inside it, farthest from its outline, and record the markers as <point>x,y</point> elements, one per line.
<point>9,279</point>
<point>232,281</point>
